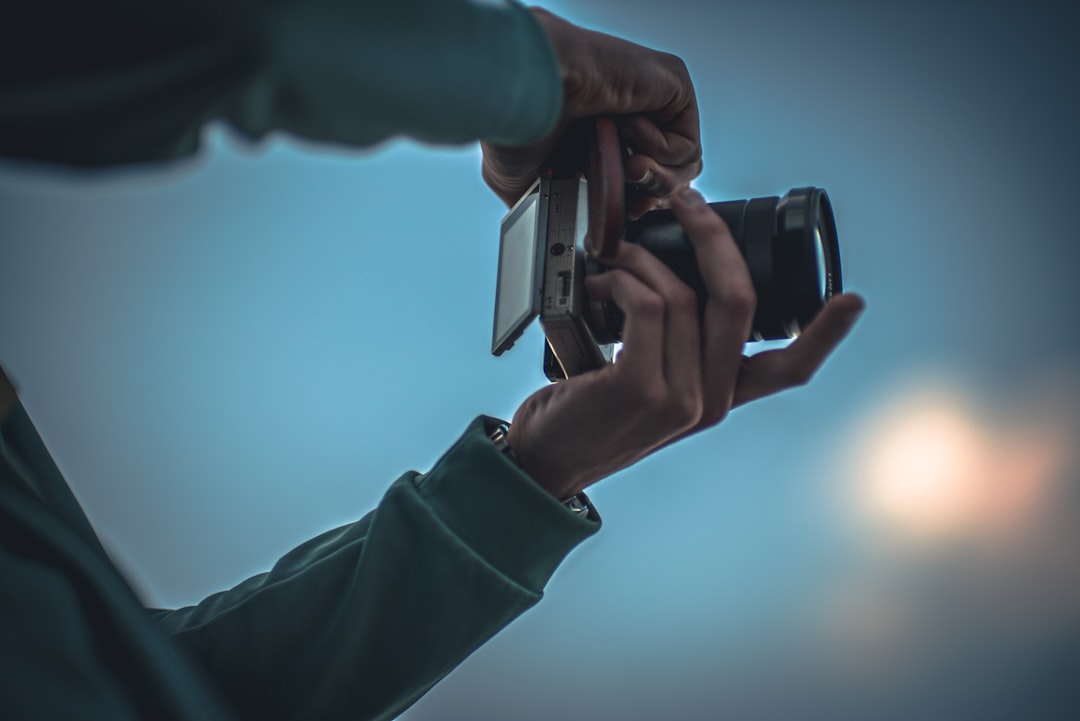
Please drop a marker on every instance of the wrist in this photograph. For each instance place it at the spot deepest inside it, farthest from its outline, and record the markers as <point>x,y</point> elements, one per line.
<point>574,500</point>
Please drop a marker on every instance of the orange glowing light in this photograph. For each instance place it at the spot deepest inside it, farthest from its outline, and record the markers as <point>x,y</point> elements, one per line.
<point>921,466</point>
<point>928,466</point>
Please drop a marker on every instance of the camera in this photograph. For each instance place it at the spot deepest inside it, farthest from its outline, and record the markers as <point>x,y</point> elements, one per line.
<point>789,244</point>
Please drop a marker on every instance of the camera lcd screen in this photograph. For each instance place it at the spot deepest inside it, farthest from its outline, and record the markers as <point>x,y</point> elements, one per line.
<point>517,292</point>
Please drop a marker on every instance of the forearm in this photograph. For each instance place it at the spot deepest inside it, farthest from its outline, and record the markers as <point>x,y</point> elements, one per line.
<point>125,82</point>
<point>436,70</point>
<point>361,621</point>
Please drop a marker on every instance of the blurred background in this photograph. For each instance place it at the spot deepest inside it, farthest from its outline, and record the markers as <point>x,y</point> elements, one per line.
<point>231,354</point>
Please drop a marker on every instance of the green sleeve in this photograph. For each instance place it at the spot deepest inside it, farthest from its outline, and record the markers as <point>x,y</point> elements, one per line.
<point>361,621</point>
<point>121,81</point>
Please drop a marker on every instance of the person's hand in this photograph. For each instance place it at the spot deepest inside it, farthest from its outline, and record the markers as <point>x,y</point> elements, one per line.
<point>648,92</point>
<point>676,374</point>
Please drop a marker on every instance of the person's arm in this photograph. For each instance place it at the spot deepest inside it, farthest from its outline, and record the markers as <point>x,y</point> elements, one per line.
<point>124,81</point>
<point>362,620</point>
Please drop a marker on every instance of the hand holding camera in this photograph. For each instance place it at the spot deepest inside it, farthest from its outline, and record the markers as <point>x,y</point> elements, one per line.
<point>678,372</point>
<point>683,289</point>
<point>648,91</point>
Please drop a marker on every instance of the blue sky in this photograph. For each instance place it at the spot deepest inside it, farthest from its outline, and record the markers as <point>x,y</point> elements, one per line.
<point>233,353</point>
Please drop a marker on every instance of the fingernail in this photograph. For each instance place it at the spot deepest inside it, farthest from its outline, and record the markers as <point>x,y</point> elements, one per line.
<point>645,179</point>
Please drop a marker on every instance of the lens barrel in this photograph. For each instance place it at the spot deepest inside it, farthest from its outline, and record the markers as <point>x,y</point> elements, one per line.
<point>790,247</point>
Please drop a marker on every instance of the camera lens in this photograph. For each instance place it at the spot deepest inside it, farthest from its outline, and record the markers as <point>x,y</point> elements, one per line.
<point>790,247</point>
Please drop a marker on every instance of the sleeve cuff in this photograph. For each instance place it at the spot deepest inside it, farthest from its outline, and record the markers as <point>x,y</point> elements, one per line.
<point>499,512</point>
<point>536,89</point>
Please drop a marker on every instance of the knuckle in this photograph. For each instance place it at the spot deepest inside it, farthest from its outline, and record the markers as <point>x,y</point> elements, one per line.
<point>691,162</point>
<point>648,306</point>
<point>652,395</point>
<point>712,416</point>
<point>662,184</point>
<point>679,411</point>
<point>677,65</point>
<point>740,298</point>
<point>690,410</point>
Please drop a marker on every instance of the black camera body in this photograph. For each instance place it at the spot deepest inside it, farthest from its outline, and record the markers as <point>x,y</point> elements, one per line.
<point>549,244</point>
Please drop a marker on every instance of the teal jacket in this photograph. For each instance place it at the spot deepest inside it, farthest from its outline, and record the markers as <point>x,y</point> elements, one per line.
<point>360,621</point>
<point>101,82</point>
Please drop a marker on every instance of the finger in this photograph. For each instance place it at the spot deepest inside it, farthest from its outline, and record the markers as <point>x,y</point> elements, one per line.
<point>774,371</point>
<point>671,141</point>
<point>641,356</point>
<point>682,332</point>
<point>650,181</point>
<point>638,204</point>
<point>729,311</point>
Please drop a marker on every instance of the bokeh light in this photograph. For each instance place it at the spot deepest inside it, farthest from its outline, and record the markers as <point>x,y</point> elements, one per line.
<point>930,466</point>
